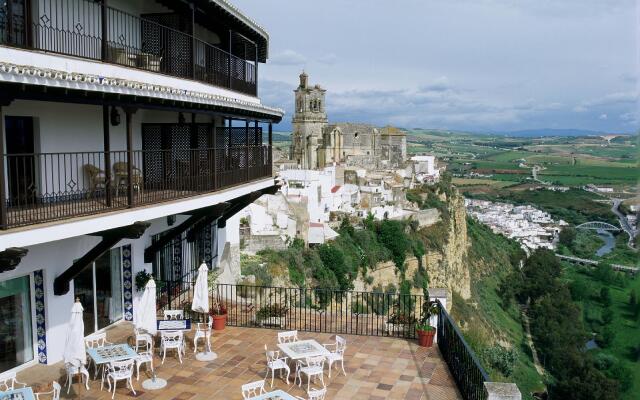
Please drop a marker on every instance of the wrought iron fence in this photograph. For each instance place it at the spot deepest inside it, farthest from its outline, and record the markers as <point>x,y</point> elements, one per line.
<point>46,187</point>
<point>89,29</point>
<point>462,361</point>
<point>306,309</point>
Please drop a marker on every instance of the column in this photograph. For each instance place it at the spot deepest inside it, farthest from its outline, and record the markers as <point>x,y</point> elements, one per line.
<point>107,154</point>
<point>246,149</point>
<point>129,113</point>
<point>502,391</point>
<point>3,189</point>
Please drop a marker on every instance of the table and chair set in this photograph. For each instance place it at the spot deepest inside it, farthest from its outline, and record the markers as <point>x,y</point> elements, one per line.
<point>308,357</point>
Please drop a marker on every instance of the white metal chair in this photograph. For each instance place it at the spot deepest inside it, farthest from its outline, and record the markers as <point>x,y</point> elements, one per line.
<point>287,337</point>
<point>8,381</point>
<point>172,340</point>
<point>145,356</point>
<point>313,367</point>
<point>203,331</point>
<point>120,371</point>
<point>74,370</point>
<point>315,394</point>
<point>173,314</point>
<point>53,394</point>
<point>94,341</point>
<point>253,389</point>
<point>276,363</point>
<point>336,350</point>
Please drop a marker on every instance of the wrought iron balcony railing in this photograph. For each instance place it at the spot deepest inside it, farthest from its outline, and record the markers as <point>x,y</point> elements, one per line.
<point>43,187</point>
<point>89,29</point>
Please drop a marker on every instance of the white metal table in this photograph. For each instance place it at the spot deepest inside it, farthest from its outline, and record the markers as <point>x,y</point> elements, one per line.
<point>25,393</point>
<point>275,395</point>
<point>303,349</point>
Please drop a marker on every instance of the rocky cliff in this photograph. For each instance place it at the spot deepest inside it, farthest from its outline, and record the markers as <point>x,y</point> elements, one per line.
<point>447,265</point>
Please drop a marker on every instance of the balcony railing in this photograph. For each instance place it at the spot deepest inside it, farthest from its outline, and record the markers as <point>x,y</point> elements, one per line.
<point>89,29</point>
<point>43,187</point>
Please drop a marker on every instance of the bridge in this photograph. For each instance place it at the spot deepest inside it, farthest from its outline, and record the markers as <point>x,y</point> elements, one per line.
<point>594,263</point>
<point>597,226</point>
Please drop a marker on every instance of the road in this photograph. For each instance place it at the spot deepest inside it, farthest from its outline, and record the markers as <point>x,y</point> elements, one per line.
<point>623,222</point>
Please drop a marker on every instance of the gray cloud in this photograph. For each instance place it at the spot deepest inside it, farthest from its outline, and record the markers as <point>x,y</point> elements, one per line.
<point>473,64</point>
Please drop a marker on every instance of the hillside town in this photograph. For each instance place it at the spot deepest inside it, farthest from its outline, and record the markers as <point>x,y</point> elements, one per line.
<point>532,228</point>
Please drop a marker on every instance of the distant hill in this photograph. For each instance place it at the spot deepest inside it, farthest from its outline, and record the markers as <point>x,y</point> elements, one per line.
<point>552,132</point>
<point>281,136</point>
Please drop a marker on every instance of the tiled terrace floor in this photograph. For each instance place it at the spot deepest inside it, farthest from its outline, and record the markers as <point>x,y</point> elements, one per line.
<point>377,368</point>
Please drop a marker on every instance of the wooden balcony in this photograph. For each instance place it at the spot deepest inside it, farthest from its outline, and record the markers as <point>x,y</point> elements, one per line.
<point>44,187</point>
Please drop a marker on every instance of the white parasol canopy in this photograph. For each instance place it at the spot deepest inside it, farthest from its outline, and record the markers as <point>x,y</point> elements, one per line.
<point>74,351</point>
<point>146,315</point>
<point>201,291</point>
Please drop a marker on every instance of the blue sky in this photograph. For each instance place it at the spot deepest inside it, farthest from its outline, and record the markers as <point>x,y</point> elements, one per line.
<point>476,65</point>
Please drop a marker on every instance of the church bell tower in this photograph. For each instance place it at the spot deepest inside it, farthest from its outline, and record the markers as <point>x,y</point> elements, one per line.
<point>309,119</point>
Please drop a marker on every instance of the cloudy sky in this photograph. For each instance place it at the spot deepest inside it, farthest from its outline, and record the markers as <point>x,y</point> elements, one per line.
<point>476,65</point>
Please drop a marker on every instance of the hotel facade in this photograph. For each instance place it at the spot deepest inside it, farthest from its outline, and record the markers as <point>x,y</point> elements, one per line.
<point>131,134</point>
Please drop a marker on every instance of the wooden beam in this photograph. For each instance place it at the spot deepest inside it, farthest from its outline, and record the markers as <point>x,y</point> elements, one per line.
<point>11,257</point>
<point>109,239</point>
<point>241,202</point>
<point>207,220</point>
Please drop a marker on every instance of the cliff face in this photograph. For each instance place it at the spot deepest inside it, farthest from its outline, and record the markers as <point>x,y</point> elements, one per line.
<point>448,267</point>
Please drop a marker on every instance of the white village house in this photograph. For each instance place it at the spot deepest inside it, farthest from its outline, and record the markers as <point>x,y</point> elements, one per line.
<point>131,134</point>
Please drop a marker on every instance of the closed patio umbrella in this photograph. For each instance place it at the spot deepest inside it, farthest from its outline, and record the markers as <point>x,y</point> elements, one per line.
<point>74,351</point>
<point>201,291</point>
<point>146,315</point>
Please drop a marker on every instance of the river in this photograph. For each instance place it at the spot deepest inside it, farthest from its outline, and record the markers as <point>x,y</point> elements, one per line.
<point>609,242</point>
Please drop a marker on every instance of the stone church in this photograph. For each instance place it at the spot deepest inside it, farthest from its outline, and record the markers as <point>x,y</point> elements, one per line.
<point>316,143</point>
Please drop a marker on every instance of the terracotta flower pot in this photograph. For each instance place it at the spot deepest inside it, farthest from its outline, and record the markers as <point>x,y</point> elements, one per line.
<point>425,338</point>
<point>219,321</point>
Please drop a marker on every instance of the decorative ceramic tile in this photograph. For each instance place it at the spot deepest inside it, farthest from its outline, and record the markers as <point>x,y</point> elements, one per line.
<point>127,282</point>
<point>41,324</point>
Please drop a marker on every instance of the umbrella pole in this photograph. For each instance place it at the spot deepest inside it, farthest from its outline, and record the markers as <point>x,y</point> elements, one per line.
<point>207,355</point>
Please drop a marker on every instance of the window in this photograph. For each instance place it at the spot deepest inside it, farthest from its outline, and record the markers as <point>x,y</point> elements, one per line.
<point>16,346</point>
<point>99,288</point>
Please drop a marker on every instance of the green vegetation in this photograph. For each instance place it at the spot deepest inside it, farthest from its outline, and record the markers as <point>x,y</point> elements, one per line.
<point>608,309</point>
<point>558,331</point>
<point>492,329</point>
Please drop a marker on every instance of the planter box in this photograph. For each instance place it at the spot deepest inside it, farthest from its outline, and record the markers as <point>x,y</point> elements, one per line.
<point>399,328</point>
<point>279,322</point>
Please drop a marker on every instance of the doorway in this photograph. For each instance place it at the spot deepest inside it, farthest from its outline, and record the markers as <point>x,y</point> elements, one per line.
<point>99,288</point>
<point>13,22</point>
<point>20,160</point>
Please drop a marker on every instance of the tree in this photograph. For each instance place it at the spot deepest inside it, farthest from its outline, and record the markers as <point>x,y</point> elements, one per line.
<point>567,236</point>
<point>393,237</point>
<point>607,316</point>
<point>333,259</point>
<point>605,297</point>
<point>633,301</point>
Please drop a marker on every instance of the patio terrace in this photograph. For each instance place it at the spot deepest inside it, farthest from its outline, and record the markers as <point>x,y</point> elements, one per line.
<point>377,368</point>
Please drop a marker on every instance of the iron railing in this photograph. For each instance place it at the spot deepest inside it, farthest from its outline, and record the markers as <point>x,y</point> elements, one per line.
<point>43,187</point>
<point>306,309</point>
<point>462,361</point>
<point>89,29</point>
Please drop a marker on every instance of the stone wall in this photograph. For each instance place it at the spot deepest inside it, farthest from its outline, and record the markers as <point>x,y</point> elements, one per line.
<point>254,243</point>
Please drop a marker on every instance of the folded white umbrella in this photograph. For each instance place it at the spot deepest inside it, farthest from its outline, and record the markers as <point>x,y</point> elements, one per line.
<point>146,315</point>
<point>74,351</point>
<point>200,301</point>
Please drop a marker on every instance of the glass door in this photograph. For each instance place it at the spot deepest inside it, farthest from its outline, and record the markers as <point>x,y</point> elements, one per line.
<point>16,333</point>
<point>99,288</point>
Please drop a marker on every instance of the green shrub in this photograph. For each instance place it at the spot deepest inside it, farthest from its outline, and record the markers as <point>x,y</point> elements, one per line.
<point>500,359</point>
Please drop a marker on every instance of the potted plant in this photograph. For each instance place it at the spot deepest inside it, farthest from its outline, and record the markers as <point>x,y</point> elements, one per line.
<point>141,279</point>
<point>218,314</point>
<point>426,332</point>
<point>272,315</point>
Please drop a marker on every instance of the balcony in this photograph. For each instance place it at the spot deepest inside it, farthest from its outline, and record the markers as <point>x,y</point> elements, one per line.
<point>45,187</point>
<point>161,43</point>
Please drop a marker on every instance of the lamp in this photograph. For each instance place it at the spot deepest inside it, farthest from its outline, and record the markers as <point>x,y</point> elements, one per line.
<point>115,116</point>
<point>181,118</point>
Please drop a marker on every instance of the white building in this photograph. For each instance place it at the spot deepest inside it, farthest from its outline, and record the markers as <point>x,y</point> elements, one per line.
<point>131,150</point>
<point>425,168</point>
